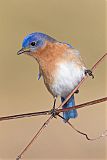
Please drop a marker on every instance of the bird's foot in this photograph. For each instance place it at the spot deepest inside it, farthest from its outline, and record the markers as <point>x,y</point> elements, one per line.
<point>77,91</point>
<point>53,112</point>
<point>89,72</point>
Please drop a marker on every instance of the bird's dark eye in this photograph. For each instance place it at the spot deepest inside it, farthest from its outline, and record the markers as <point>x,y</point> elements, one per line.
<point>33,43</point>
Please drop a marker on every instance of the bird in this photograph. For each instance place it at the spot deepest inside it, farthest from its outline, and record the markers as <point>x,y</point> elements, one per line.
<point>60,65</point>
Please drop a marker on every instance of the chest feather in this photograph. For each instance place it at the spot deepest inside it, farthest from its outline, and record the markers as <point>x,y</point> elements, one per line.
<point>67,77</point>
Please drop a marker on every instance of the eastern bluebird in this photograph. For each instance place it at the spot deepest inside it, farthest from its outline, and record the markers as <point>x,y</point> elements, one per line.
<point>60,65</point>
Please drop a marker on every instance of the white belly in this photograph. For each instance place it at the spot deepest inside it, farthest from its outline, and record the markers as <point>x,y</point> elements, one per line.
<point>67,77</point>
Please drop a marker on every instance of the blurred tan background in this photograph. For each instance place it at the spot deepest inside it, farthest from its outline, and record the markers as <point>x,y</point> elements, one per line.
<point>79,22</point>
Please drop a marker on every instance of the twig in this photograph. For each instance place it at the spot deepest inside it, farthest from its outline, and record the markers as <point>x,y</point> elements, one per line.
<point>49,112</point>
<point>25,115</point>
<point>84,134</point>
<point>35,137</point>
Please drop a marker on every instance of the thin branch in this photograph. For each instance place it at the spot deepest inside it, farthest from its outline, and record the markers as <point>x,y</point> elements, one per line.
<point>84,134</point>
<point>49,112</point>
<point>35,137</point>
<point>25,115</point>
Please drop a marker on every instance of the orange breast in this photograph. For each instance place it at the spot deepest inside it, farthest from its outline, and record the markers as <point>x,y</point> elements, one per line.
<point>47,58</point>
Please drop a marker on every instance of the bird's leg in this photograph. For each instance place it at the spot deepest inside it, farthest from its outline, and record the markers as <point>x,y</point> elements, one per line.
<point>89,72</point>
<point>53,109</point>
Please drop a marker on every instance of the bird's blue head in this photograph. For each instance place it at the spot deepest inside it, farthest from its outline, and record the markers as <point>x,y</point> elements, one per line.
<point>34,41</point>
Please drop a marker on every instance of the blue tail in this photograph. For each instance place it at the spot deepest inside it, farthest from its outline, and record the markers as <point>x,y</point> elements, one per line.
<point>69,114</point>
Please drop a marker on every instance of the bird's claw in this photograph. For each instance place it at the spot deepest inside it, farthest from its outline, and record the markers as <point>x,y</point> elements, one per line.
<point>77,91</point>
<point>89,72</point>
<point>53,112</point>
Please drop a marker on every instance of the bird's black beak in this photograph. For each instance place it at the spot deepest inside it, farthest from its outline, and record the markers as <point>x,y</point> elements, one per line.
<point>23,50</point>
